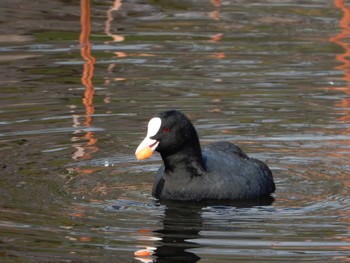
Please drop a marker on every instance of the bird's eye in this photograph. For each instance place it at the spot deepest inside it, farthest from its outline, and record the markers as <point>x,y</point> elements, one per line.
<point>166,130</point>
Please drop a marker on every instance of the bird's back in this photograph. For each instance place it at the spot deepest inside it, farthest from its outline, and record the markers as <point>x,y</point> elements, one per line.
<point>236,175</point>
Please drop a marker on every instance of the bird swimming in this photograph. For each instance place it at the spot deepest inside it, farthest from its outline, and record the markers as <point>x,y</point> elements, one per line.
<point>220,171</point>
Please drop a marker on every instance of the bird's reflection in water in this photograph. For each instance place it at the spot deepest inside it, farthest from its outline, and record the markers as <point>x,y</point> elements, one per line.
<point>183,222</point>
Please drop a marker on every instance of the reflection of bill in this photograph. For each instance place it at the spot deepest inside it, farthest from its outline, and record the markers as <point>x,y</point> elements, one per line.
<point>182,224</point>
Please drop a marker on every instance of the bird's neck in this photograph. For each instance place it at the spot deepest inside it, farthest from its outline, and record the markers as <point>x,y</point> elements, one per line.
<point>187,162</point>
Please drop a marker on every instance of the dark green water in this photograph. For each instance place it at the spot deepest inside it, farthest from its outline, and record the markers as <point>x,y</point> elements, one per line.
<point>271,76</point>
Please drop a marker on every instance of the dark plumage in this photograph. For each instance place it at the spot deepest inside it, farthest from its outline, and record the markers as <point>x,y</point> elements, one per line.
<point>221,171</point>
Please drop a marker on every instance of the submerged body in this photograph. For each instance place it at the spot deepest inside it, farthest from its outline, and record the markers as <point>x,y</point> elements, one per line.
<point>221,171</point>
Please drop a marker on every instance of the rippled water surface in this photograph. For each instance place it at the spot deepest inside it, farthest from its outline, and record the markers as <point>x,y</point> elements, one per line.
<point>80,80</point>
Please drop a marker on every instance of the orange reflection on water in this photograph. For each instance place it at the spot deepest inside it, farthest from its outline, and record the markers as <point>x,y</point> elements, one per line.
<point>85,151</point>
<point>88,70</point>
<point>216,37</point>
<point>343,58</point>
<point>115,7</point>
<point>342,40</point>
<point>117,4</point>
<point>338,39</point>
<point>216,13</point>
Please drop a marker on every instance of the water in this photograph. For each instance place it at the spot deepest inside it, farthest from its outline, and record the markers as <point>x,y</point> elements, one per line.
<point>77,91</point>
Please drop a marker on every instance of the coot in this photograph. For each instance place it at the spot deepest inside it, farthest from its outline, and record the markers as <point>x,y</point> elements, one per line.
<point>221,171</point>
